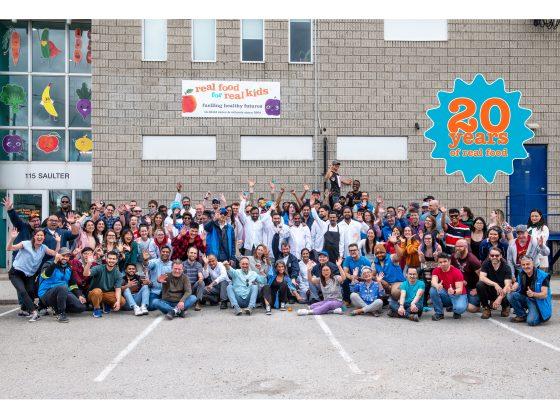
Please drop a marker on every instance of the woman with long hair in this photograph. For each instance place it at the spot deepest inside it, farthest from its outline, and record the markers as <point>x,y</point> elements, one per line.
<point>330,286</point>
<point>275,292</point>
<point>478,234</point>
<point>428,253</point>
<point>86,237</point>
<point>407,249</point>
<point>161,240</point>
<point>128,249</point>
<point>145,243</point>
<point>366,245</point>
<point>100,230</point>
<point>157,223</point>
<point>430,226</point>
<point>118,228</point>
<point>537,228</point>
<point>260,261</point>
<point>494,238</point>
<point>498,220</point>
<point>110,243</point>
<point>466,216</point>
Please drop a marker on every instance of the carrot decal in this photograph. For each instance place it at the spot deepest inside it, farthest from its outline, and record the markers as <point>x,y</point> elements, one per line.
<point>15,44</point>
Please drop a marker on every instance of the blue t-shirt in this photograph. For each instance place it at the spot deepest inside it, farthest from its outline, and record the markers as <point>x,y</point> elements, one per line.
<point>29,259</point>
<point>351,263</point>
<point>411,290</point>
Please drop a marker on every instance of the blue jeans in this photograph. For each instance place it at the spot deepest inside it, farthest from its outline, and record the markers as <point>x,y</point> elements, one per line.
<point>142,297</point>
<point>165,305</point>
<point>153,298</point>
<point>441,299</point>
<point>473,300</point>
<point>520,303</point>
<point>394,305</point>
<point>239,302</point>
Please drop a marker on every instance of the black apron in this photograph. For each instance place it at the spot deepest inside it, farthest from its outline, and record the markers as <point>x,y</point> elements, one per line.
<point>331,243</point>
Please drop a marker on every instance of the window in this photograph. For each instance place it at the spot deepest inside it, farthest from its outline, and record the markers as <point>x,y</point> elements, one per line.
<point>415,30</point>
<point>300,41</point>
<point>203,40</point>
<point>371,148</point>
<point>252,40</point>
<point>276,148</point>
<point>178,148</point>
<point>45,91</point>
<point>154,40</point>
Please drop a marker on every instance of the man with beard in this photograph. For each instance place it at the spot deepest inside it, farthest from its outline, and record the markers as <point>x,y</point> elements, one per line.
<point>156,269</point>
<point>300,236</point>
<point>186,239</point>
<point>105,285</point>
<point>495,283</point>
<point>274,232</point>
<point>469,265</point>
<point>350,230</point>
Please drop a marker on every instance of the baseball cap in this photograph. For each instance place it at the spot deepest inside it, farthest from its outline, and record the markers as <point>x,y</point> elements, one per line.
<point>64,251</point>
<point>215,201</point>
<point>365,268</point>
<point>269,203</point>
<point>425,204</point>
<point>223,211</point>
<point>336,162</point>
<point>325,253</point>
<point>315,192</point>
<point>175,205</point>
<point>521,228</point>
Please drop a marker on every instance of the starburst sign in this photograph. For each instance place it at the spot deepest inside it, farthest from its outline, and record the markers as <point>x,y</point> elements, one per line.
<point>479,129</point>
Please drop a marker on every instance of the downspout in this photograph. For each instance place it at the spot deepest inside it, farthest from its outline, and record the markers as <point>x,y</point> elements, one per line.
<point>316,121</point>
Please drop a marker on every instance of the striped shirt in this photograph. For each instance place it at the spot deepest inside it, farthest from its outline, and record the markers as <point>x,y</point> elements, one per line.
<point>192,269</point>
<point>454,233</point>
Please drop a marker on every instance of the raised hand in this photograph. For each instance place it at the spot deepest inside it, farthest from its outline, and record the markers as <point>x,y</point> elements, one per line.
<point>443,209</point>
<point>272,186</point>
<point>339,261</point>
<point>251,183</point>
<point>306,188</point>
<point>379,199</point>
<point>179,187</point>
<point>8,204</point>
<point>71,217</point>
<point>205,259</point>
<point>146,254</point>
<point>183,231</point>
<point>162,278</point>
<point>310,264</point>
<point>14,233</point>
<point>380,277</point>
<point>57,237</point>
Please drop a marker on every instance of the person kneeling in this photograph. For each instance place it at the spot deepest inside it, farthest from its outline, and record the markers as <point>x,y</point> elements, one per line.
<point>448,289</point>
<point>531,292</point>
<point>495,283</point>
<point>331,288</point>
<point>176,292</point>
<point>58,289</point>
<point>244,289</point>
<point>410,301</point>
<point>366,294</point>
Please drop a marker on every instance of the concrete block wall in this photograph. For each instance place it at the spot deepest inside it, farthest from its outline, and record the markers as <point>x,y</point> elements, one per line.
<point>366,87</point>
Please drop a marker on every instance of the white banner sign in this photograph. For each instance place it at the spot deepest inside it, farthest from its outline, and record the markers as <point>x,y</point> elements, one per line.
<point>45,175</point>
<point>230,99</point>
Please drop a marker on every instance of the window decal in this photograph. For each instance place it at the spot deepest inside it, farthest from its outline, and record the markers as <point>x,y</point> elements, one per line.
<point>48,49</point>
<point>84,103</point>
<point>84,144</point>
<point>47,102</point>
<point>48,143</point>
<point>13,96</point>
<point>12,143</point>
<point>12,42</point>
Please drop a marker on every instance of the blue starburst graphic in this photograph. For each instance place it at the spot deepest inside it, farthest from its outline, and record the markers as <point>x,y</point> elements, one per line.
<point>484,158</point>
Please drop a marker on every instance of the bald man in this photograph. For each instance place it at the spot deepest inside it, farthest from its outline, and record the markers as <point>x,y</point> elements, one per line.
<point>434,210</point>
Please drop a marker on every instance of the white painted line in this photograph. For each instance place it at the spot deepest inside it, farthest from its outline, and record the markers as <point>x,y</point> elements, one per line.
<point>128,349</point>
<point>351,364</point>
<point>527,336</point>
<point>10,311</point>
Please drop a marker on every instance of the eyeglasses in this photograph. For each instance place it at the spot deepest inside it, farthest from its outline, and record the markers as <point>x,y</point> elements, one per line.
<point>65,202</point>
<point>495,255</point>
<point>454,216</point>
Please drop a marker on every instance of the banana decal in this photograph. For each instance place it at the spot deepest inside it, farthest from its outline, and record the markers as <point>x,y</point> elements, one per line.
<point>47,102</point>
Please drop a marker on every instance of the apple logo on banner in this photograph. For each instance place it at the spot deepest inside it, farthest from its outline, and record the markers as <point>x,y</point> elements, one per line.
<point>479,129</point>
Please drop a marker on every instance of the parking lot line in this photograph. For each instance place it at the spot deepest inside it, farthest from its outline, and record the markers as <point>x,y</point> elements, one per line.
<point>527,336</point>
<point>10,311</point>
<point>128,349</point>
<point>336,344</point>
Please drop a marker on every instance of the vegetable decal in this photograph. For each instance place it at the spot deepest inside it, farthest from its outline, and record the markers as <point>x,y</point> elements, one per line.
<point>48,143</point>
<point>12,143</point>
<point>12,42</point>
<point>188,102</point>
<point>47,102</point>
<point>84,104</point>
<point>88,54</point>
<point>48,49</point>
<point>272,107</point>
<point>13,96</point>
<point>84,144</point>
<point>78,46</point>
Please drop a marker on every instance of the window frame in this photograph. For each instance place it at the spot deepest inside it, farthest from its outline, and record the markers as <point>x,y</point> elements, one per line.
<point>241,42</point>
<point>215,42</point>
<point>148,60</point>
<point>311,24</point>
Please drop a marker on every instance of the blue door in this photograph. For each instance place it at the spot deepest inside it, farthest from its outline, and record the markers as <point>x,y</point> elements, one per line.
<point>528,185</point>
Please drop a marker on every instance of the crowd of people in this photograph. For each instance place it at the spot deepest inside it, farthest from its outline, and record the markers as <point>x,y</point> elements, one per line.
<point>331,252</point>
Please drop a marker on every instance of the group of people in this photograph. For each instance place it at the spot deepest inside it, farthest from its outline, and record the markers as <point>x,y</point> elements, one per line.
<point>333,253</point>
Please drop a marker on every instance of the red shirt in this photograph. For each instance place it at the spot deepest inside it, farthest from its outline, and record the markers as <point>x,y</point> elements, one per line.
<point>78,274</point>
<point>181,246</point>
<point>449,279</point>
<point>521,250</point>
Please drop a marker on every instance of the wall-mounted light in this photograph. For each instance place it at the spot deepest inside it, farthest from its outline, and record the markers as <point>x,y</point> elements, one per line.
<point>534,126</point>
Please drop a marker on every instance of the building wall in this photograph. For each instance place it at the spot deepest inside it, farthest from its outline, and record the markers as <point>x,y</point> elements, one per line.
<point>366,87</point>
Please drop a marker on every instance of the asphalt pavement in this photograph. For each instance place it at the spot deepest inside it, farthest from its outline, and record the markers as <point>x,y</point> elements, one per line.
<point>213,354</point>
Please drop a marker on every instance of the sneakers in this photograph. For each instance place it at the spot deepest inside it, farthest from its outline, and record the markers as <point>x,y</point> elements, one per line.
<point>144,310</point>
<point>106,308</point>
<point>197,307</point>
<point>137,310</point>
<point>43,312</point>
<point>301,312</point>
<point>97,313</point>
<point>180,314</point>
<point>518,319</point>
<point>248,311</point>
<point>34,316</point>
<point>414,317</point>
<point>456,315</point>
<point>392,314</point>
<point>338,311</point>
<point>23,314</point>
<point>505,312</point>
<point>282,306</point>
<point>486,313</point>
<point>268,311</point>
<point>62,317</point>
<point>170,315</point>
<point>437,317</point>
<point>223,305</point>
<point>237,311</point>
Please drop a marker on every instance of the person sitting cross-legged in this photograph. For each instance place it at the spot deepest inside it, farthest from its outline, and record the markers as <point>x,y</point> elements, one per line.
<point>366,294</point>
<point>448,289</point>
<point>410,301</point>
<point>244,288</point>
<point>136,290</point>
<point>176,293</point>
<point>331,288</point>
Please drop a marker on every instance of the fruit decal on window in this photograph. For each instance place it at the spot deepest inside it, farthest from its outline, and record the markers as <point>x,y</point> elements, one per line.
<point>12,42</point>
<point>48,49</point>
<point>48,143</point>
<point>47,101</point>
<point>12,143</point>
<point>84,103</point>
<point>84,144</point>
<point>189,101</point>
<point>272,107</point>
